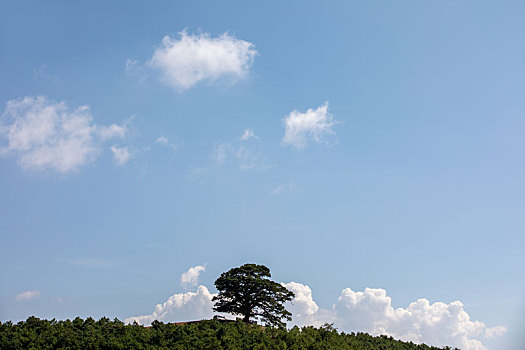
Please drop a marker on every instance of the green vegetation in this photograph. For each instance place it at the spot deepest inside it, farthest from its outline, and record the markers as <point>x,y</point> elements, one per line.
<point>213,334</point>
<point>247,291</point>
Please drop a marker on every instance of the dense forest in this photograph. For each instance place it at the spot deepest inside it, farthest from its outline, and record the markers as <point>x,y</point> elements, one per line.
<point>215,334</point>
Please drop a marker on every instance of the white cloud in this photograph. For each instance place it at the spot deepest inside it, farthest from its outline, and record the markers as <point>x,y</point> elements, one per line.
<point>191,59</point>
<point>316,124</point>
<point>30,294</point>
<point>187,306</point>
<point>41,72</point>
<point>245,154</point>
<point>280,189</point>
<point>120,155</point>
<point>190,278</point>
<point>131,65</point>
<point>371,311</point>
<point>248,134</point>
<point>305,311</point>
<point>494,332</point>
<point>248,159</point>
<point>220,152</point>
<point>113,131</point>
<point>164,141</point>
<point>44,134</point>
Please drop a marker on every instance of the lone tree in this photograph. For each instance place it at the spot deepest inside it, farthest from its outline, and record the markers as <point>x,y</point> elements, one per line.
<point>247,291</point>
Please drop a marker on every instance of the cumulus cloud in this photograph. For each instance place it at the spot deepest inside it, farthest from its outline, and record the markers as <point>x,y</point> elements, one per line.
<point>316,124</point>
<point>27,295</point>
<point>190,278</point>
<point>305,311</point>
<point>180,307</point>
<point>371,311</point>
<point>192,59</point>
<point>44,134</point>
<point>120,155</point>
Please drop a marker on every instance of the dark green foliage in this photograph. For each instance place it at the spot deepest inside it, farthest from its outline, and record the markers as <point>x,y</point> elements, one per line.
<point>213,334</point>
<point>247,291</point>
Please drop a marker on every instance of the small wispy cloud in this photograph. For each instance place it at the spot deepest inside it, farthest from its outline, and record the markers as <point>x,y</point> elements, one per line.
<point>220,152</point>
<point>164,141</point>
<point>242,153</point>
<point>282,188</point>
<point>248,134</point>
<point>41,72</point>
<point>246,155</point>
<point>197,172</point>
<point>27,295</point>
<point>121,155</point>
<point>314,124</point>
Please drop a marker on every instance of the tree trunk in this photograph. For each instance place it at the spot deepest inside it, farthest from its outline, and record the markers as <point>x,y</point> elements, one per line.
<point>246,318</point>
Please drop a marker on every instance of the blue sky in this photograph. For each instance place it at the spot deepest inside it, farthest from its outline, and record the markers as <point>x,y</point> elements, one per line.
<point>402,169</point>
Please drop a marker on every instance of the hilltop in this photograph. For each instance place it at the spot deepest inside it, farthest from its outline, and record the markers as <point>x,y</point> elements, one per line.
<point>214,334</point>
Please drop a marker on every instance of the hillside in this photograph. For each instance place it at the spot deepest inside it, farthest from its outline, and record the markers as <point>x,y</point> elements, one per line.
<point>211,334</point>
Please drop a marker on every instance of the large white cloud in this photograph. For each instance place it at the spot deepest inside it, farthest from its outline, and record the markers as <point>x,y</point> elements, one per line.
<point>316,124</point>
<point>187,306</point>
<point>371,311</point>
<point>191,59</point>
<point>45,134</point>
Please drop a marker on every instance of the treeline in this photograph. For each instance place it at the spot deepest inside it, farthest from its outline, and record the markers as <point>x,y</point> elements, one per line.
<point>88,334</point>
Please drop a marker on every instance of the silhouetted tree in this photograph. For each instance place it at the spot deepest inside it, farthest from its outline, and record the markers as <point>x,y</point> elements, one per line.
<point>247,291</point>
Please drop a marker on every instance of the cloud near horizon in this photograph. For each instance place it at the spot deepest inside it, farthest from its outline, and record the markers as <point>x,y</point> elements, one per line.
<point>371,311</point>
<point>192,59</point>
<point>49,135</point>
<point>27,295</point>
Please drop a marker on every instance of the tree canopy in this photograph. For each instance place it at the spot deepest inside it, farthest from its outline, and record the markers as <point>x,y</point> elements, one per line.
<point>106,334</point>
<point>248,291</point>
